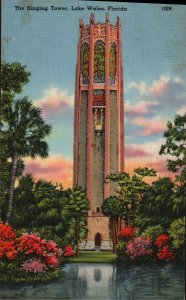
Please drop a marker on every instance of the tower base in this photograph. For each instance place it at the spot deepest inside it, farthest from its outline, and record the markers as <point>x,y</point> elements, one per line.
<point>99,235</point>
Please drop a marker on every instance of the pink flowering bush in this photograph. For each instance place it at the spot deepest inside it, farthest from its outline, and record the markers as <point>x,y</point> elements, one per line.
<point>31,245</point>
<point>34,265</point>
<point>139,247</point>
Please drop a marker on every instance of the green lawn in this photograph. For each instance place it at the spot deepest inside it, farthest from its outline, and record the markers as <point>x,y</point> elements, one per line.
<point>93,257</point>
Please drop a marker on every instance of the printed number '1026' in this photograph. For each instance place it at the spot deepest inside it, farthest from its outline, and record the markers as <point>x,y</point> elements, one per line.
<point>166,8</point>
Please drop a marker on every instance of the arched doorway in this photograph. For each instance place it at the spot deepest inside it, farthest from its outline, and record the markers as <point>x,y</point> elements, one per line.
<point>98,238</point>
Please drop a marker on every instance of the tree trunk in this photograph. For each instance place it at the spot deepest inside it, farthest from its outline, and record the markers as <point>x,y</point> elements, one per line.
<point>113,235</point>
<point>127,221</point>
<point>77,236</point>
<point>120,223</point>
<point>12,184</point>
<point>116,230</point>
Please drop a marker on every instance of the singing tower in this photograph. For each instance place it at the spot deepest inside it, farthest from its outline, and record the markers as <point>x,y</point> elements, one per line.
<point>98,120</point>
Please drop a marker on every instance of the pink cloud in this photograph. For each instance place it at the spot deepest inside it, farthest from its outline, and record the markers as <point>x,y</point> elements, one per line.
<point>160,166</point>
<point>135,151</point>
<point>55,168</point>
<point>160,86</point>
<point>155,162</point>
<point>150,126</point>
<point>146,155</point>
<point>141,108</point>
<point>54,100</point>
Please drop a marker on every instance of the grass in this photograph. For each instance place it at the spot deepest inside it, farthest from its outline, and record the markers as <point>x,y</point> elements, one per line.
<point>93,257</point>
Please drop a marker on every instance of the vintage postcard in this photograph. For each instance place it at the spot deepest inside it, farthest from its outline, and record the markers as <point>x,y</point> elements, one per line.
<point>93,153</point>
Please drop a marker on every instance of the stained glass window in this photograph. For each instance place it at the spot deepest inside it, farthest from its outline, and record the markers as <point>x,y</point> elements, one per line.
<point>112,64</point>
<point>85,63</point>
<point>99,62</point>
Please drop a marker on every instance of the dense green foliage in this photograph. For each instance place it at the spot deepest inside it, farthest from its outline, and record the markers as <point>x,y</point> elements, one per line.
<point>13,78</point>
<point>78,206</point>
<point>131,191</point>
<point>175,143</point>
<point>177,233</point>
<point>23,129</point>
<point>45,207</point>
<point>9,273</point>
<point>159,207</point>
<point>152,232</point>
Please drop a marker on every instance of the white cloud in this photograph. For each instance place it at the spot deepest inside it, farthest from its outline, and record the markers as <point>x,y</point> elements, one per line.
<point>54,99</point>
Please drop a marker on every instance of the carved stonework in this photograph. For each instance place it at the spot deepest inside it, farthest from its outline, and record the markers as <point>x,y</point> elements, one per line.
<point>85,31</point>
<point>113,31</point>
<point>92,19</point>
<point>99,30</point>
<point>81,23</point>
<point>99,98</point>
<point>98,119</point>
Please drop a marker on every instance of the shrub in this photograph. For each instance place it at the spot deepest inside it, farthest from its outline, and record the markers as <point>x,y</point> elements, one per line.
<point>161,240</point>
<point>68,251</point>
<point>139,247</point>
<point>127,232</point>
<point>152,232</point>
<point>34,265</point>
<point>8,242</point>
<point>165,254</point>
<point>7,233</point>
<point>28,254</point>
<point>121,251</point>
<point>177,234</point>
<point>162,244</point>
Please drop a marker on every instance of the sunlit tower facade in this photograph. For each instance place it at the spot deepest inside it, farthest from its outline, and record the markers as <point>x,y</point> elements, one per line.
<point>98,120</point>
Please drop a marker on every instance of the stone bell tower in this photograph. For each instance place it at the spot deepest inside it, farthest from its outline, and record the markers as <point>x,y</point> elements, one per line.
<point>98,120</point>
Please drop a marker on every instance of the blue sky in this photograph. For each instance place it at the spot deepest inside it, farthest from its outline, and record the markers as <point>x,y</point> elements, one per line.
<point>154,47</point>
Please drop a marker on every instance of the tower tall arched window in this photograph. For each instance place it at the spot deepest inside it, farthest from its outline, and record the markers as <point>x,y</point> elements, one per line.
<point>85,63</point>
<point>112,63</point>
<point>99,62</point>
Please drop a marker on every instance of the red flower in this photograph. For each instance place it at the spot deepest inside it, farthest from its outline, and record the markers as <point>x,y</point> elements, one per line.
<point>161,240</point>
<point>69,251</point>
<point>52,261</point>
<point>8,249</point>
<point>127,232</point>
<point>6,232</point>
<point>29,246</point>
<point>165,254</point>
<point>11,255</point>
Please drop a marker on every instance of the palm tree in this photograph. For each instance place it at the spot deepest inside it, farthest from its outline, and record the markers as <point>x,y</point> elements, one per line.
<point>112,207</point>
<point>26,133</point>
<point>24,206</point>
<point>44,206</point>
